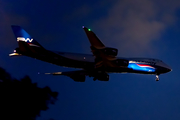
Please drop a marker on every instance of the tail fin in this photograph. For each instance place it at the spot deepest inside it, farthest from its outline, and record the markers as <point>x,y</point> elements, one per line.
<point>22,35</point>
<point>27,44</point>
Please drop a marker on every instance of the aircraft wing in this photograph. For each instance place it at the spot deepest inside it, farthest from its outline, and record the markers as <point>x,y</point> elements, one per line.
<point>93,39</point>
<point>78,76</point>
<point>103,55</point>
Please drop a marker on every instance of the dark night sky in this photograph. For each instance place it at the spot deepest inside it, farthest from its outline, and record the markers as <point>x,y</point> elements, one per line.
<point>138,28</point>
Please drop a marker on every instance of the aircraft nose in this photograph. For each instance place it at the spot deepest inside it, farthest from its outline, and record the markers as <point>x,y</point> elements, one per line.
<point>166,70</point>
<point>162,70</point>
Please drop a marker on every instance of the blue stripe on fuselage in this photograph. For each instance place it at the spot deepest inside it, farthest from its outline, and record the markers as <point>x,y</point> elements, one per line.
<point>135,66</point>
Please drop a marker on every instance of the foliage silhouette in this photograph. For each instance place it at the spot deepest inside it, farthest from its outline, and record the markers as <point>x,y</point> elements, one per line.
<point>22,99</point>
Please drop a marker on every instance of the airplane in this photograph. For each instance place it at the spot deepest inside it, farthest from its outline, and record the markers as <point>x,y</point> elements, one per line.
<point>103,60</point>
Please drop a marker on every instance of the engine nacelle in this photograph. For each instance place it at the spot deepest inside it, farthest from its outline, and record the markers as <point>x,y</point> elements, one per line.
<point>78,77</point>
<point>110,51</point>
<point>101,77</point>
<point>121,62</point>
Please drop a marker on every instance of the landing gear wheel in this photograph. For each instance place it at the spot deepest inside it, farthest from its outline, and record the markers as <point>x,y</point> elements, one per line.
<point>157,77</point>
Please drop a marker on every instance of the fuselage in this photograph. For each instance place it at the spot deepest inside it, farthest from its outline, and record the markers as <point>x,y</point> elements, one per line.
<point>87,62</point>
<point>136,65</point>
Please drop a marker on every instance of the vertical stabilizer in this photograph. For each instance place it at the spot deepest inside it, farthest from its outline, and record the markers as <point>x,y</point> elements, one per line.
<point>22,35</point>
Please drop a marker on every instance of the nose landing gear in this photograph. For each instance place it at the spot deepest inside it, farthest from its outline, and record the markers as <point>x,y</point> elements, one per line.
<point>157,77</point>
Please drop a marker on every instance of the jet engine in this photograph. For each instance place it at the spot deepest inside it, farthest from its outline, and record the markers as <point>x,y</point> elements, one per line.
<point>121,62</point>
<point>101,77</point>
<point>110,51</point>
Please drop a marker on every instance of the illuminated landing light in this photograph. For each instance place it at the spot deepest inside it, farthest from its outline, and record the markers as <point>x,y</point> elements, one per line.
<point>14,54</point>
<point>82,26</point>
<point>89,29</point>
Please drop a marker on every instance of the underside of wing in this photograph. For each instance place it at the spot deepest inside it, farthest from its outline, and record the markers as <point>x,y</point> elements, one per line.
<point>80,75</point>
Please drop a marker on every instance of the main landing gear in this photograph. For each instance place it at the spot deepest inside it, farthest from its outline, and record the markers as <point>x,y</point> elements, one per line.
<point>157,77</point>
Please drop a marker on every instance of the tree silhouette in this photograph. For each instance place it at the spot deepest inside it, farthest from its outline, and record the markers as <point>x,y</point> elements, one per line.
<point>22,99</point>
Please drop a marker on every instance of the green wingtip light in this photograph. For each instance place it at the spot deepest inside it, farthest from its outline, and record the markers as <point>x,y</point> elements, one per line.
<point>89,29</point>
